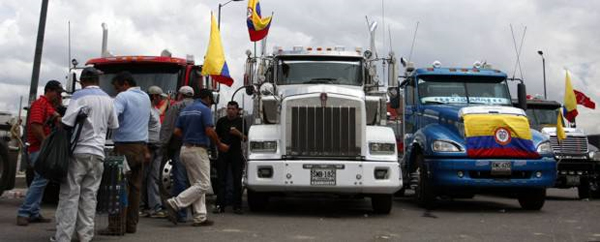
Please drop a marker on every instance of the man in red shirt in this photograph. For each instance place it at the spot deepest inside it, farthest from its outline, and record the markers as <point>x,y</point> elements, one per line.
<point>42,115</point>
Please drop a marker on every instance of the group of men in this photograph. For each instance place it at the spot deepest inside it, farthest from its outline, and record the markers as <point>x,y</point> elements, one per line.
<point>145,130</point>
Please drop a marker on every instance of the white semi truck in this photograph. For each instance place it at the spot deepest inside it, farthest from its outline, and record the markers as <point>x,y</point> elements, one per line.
<point>319,126</point>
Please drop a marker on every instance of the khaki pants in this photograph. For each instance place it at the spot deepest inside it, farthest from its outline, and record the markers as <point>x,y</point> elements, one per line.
<point>197,164</point>
<point>134,153</point>
<point>77,204</point>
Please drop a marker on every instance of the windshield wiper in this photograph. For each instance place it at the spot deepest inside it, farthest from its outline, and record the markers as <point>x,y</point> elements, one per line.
<point>434,102</point>
<point>321,80</point>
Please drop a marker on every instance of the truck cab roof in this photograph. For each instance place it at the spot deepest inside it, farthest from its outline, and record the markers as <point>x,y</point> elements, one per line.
<point>138,59</point>
<point>451,71</point>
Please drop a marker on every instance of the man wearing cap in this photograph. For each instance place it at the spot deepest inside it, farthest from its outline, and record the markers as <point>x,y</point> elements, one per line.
<point>152,171</point>
<point>172,144</point>
<point>159,100</point>
<point>42,116</point>
<point>195,126</point>
<point>132,106</point>
<point>77,199</point>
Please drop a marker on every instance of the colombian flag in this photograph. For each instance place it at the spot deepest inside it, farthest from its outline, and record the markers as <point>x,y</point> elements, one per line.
<point>215,65</point>
<point>498,136</point>
<point>258,27</point>
<point>570,102</point>
<point>560,131</point>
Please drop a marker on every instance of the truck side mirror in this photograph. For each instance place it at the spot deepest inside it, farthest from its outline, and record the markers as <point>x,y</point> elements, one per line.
<point>394,94</point>
<point>522,96</point>
<point>71,79</point>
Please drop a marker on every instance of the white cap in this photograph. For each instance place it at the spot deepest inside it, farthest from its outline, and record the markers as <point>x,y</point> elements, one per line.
<point>186,91</point>
<point>155,90</point>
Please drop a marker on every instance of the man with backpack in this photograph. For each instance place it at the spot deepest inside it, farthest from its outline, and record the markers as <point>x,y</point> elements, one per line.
<point>92,109</point>
<point>42,116</point>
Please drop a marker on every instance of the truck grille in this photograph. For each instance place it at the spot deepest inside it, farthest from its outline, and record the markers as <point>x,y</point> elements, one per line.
<point>571,145</point>
<point>324,132</point>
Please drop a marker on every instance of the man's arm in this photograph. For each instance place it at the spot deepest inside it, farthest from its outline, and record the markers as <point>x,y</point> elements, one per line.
<point>212,135</point>
<point>38,131</point>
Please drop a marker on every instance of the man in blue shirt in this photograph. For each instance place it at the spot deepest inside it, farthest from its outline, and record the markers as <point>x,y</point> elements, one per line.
<point>132,106</point>
<point>195,126</point>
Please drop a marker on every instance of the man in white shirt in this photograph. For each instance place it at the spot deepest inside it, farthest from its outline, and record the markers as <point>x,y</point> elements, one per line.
<point>77,204</point>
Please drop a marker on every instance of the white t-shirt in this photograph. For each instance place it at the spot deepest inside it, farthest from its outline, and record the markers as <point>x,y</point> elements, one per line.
<point>101,117</point>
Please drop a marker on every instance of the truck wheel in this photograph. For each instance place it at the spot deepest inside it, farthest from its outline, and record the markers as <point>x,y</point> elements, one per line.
<point>424,192</point>
<point>400,193</point>
<point>257,201</point>
<point>532,199</point>
<point>381,203</point>
<point>583,190</point>
<point>4,168</point>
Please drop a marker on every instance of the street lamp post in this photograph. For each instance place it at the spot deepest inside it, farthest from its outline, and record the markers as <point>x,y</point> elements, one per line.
<point>223,5</point>
<point>544,70</point>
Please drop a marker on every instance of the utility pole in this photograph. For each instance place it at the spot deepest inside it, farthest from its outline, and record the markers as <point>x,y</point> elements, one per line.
<point>541,53</point>
<point>37,59</point>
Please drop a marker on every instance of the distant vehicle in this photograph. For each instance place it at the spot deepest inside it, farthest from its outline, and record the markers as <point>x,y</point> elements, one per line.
<point>8,155</point>
<point>578,160</point>
<point>447,155</point>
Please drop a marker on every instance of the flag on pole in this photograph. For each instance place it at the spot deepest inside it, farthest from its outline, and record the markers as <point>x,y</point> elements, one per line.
<point>258,27</point>
<point>215,65</point>
<point>570,102</point>
<point>560,131</point>
<point>584,100</point>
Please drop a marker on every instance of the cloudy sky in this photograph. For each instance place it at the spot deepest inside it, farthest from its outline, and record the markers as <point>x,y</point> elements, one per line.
<point>457,33</point>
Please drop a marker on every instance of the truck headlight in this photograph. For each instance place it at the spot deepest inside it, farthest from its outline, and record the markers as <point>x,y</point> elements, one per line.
<point>263,146</point>
<point>544,148</point>
<point>381,148</point>
<point>445,146</point>
<point>594,155</point>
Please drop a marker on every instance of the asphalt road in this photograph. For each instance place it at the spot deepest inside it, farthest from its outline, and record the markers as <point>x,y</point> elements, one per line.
<point>484,218</point>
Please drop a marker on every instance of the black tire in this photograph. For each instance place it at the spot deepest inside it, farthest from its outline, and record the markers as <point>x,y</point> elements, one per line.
<point>257,201</point>
<point>400,193</point>
<point>584,190</point>
<point>424,192</point>
<point>382,203</point>
<point>4,168</point>
<point>532,199</point>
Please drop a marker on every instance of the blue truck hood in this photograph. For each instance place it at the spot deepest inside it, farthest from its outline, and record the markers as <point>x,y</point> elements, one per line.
<point>445,123</point>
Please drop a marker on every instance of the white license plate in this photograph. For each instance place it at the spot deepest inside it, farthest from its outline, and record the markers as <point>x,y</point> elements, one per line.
<point>573,180</point>
<point>322,177</point>
<point>501,167</point>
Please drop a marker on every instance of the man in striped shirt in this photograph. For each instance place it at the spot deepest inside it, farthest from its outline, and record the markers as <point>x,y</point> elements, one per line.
<point>42,115</point>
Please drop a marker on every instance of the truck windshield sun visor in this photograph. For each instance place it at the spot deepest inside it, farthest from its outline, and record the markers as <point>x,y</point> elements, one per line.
<point>463,90</point>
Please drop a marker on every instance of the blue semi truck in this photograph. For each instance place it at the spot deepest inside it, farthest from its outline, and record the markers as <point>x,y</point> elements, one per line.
<point>462,136</point>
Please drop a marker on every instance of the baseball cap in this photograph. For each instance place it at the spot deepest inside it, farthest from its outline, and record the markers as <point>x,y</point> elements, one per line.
<point>155,90</point>
<point>186,91</point>
<point>54,85</point>
<point>90,73</point>
<point>207,93</point>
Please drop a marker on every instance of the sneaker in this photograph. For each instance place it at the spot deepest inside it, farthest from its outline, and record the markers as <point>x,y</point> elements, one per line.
<point>158,213</point>
<point>171,208</point>
<point>145,213</point>
<point>39,219</point>
<point>22,221</point>
<point>203,223</point>
<point>218,209</point>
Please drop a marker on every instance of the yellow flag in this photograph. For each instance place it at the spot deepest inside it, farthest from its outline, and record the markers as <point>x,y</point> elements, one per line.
<point>570,101</point>
<point>560,131</point>
<point>215,65</point>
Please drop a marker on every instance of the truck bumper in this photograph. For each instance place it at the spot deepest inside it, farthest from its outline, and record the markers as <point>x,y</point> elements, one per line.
<point>572,172</point>
<point>350,177</point>
<point>540,173</point>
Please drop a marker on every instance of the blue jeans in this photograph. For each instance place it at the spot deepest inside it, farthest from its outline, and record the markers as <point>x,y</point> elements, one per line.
<point>31,206</point>
<point>180,181</point>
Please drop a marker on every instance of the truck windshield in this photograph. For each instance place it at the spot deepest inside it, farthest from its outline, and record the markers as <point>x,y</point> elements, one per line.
<point>455,91</point>
<point>319,71</point>
<point>540,118</point>
<point>145,76</point>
